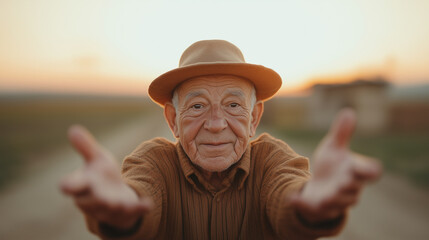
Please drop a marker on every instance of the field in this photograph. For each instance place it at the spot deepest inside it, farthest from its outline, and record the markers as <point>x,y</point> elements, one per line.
<point>33,125</point>
<point>406,154</point>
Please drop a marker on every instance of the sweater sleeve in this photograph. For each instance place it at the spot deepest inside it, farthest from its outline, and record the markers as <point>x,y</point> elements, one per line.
<point>140,172</point>
<point>285,174</point>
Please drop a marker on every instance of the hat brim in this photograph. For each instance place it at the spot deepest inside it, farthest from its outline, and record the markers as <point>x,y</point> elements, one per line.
<point>266,81</point>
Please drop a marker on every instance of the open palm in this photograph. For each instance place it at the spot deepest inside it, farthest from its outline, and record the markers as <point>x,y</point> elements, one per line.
<point>97,187</point>
<point>338,174</point>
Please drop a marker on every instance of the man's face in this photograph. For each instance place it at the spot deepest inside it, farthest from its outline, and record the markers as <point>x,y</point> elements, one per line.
<point>214,120</point>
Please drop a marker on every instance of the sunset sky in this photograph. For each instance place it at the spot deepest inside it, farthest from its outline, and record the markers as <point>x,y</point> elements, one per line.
<point>100,46</point>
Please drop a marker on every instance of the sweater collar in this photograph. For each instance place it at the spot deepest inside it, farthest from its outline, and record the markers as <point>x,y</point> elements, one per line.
<point>237,173</point>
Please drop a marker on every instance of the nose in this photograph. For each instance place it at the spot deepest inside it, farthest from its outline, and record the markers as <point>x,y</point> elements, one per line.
<point>216,121</point>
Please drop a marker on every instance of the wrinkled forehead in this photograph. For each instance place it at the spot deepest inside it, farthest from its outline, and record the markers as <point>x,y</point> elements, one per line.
<point>230,83</point>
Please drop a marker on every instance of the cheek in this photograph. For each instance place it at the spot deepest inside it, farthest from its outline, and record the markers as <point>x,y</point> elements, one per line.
<point>240,126</point>
<point>189,127</point>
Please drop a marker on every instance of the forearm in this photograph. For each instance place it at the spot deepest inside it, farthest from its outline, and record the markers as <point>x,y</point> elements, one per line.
<point>138,224</point>
<point>287,221</point>
<point>107,232</point>
<point>282,216</point>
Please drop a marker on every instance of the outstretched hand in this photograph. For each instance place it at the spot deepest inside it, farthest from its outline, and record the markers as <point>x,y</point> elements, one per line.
<point>97,187</point>
<point>338,176</point>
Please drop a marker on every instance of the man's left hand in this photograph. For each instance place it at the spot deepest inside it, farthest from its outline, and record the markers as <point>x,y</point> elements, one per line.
<point>339,174</point>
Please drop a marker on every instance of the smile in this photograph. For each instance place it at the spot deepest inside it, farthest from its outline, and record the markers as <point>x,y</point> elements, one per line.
<point>215,145</point>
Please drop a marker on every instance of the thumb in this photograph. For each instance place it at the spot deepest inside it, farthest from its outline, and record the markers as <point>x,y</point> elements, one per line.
<point>296,201</point>
<point>343,127</point>
<point>83,141</point>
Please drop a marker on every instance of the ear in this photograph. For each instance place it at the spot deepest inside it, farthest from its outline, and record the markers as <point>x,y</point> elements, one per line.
<point>170,117</point>
<point>258,109</point>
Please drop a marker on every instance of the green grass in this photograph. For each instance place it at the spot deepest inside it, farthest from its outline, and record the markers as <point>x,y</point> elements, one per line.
<point>403,153</point>
<point>406,154</point>
<point>31,126</point>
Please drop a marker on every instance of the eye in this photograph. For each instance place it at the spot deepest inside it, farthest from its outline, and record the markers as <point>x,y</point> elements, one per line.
<point>197,106</point>
<point>234,105</point>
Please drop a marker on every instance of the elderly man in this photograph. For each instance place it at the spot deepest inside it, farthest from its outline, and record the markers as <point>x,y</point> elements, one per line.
<point>214,183</point>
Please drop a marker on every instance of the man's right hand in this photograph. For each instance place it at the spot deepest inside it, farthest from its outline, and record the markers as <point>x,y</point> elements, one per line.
<point>97,187</point>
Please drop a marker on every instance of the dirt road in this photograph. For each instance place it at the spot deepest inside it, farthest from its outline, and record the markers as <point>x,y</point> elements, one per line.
<point>34,208</point>
<point>391,209</point>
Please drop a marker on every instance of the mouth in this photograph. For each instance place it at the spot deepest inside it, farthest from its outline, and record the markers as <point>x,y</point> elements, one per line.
<point>215,144</point>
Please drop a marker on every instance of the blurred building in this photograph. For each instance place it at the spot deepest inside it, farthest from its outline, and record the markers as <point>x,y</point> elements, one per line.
<point>409,109</point>
<point>367,97</point>
<point>380,107</point>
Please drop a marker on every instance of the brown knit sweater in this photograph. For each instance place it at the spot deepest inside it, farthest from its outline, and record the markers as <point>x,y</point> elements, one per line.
<point>252,205</point>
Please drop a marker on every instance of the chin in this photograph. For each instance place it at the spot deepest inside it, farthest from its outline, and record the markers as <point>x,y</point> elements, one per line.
<point>218,164</point>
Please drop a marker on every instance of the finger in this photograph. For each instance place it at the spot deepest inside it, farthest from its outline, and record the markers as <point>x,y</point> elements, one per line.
<point>89,204</point>
<point>83,141</point>
<point>342,128</point>
<point>297,202</point>
<point>352,187</point>
<point>366,168</point>
<point>75,184</point>
<point>146,204</point>
<point>342,202</point>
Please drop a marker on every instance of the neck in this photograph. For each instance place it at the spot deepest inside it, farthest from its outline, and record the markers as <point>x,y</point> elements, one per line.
<point>215,178</point>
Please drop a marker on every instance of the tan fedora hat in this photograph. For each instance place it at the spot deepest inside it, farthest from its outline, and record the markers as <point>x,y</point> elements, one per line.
<point>210,57</point>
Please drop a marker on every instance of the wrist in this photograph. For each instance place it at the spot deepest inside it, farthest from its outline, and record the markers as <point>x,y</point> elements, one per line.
<point>123,224</point>
<point>320,221</point>
<point>121,230</point>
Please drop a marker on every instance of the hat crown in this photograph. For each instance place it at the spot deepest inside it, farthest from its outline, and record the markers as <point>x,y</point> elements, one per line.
<point>211,51</point>
<point>213,57</point>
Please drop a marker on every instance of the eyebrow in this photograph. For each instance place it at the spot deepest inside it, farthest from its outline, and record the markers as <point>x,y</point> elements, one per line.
<point>199,93</point>
<point>236,93</point>
<point>192,95</point>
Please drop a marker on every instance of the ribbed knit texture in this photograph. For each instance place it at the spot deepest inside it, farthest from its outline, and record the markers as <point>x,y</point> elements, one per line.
<point>252,205</point>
